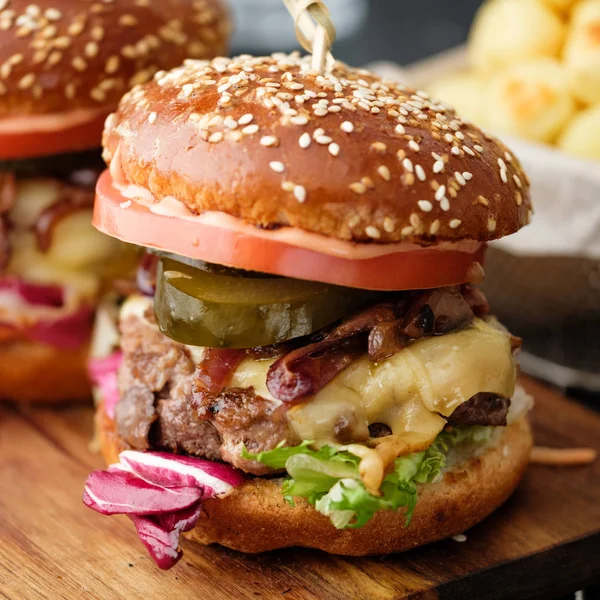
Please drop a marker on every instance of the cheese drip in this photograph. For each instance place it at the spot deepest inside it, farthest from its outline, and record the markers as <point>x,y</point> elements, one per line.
<point>410,392</point>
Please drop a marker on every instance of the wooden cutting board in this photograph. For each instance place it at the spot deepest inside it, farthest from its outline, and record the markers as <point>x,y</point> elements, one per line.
<point>543,543</point>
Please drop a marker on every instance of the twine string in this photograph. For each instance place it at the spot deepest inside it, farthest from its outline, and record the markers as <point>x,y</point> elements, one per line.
<point>314,29</point>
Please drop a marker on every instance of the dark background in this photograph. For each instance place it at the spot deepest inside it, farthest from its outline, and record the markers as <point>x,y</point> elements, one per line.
<point>398,30</point>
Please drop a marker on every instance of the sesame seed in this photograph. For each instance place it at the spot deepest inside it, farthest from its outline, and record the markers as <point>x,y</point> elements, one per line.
<point>491,224</point>
<point>299,193</point>
<point>400,129</point>
<point>508,156</point>
<point>125,204</point>
<point>420,171</point>
<point>408,230</point>
<point>468,150</point>
<point>449,137</point>
<point>97,33</point>
<point>76,28</point>
<point>334,149</point>
<point>229,122</point>
<point>26,81</point>
<point>518,198</point>
<point>434,227</point>
<point>323,139</point>
<point>347,127</point>
<point>478,147</point>
<point>112,65</point>
<point>299,120</point>
<point>388,224</point>
<point>455,150</point>
<point>440,192</point>
<point>79,64</point>
<point>91,49</point>
<point>461,180</point>
<point>467,176</point>
<point>425,205</point>
<point>379,147</point>
<point>503,175</point>
<point>482,200</point>
<point>461,537</point>
<point>415,220</point>
<point>269,140</point>
<point>186,90</point>
<point>517,181</point>
<point>454,223</point>
<point>250,129</point>
<point>368,182</point>
<point>501,164</point>
<point>414,146</point>
<point>277,166</point>
<point>320,111</point>
<point>52,14</point>
<point>245,119</point>
<point>216,137</point>
<point>407,164</point>
<point>460,135</point>
<point>445,204</point>
<point>127,20</point>
<point>438,166</point>
<point>152,117</point>
<point>384,172</point>
<point>304,140</point>
<point>408,178</point>
<point>373,232</point>
<point>358,188</point>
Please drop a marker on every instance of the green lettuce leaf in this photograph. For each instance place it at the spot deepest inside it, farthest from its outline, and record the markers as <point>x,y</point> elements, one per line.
<point>330,481</point>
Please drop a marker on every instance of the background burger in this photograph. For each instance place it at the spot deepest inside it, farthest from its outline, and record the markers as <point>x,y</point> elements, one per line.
<point>64,64</point>
<point>316,367</point>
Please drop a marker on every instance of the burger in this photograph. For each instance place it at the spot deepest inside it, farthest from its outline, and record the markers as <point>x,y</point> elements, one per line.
<point>308,361</point>
<point>64,65</point>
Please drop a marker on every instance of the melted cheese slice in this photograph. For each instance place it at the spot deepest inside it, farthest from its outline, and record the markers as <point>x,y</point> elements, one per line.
<point>408,392</point>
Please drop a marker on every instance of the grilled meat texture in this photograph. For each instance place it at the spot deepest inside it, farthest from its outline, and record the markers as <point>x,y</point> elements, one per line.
<point>170,403</point>
<point>482,409</point>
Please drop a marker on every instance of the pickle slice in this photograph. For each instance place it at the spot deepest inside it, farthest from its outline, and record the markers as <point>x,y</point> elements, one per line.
<point>200,308</point>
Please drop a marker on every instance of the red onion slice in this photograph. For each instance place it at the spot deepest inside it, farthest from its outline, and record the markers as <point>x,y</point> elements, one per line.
<point>161,493</point>
<point>168,470</point>
<point>162,545</point>
<point>117,492</point>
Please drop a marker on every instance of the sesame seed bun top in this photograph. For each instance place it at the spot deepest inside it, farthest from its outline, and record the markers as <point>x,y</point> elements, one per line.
<point>57,55</point>
<point>346,154</point>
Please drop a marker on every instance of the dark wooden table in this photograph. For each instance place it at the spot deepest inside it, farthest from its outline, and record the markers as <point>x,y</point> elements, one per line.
<point>545,542</point>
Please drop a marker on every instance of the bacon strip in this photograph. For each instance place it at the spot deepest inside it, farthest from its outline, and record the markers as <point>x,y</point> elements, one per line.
<point>215,369</point>
<point>381,331</point>
<point>304,371</point>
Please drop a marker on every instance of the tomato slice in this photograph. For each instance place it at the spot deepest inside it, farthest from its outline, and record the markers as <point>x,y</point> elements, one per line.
<point>72,138</point>
<point>407,270</point>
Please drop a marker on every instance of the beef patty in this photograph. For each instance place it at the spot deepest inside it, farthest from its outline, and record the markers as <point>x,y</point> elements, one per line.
<point>160,408</point>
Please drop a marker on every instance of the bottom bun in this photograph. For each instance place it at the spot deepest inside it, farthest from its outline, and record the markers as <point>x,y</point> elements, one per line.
<point>255,517</point>
<point>34,372</point>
